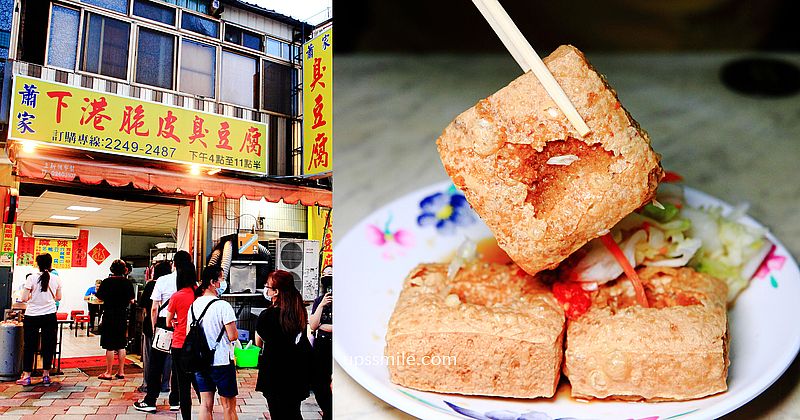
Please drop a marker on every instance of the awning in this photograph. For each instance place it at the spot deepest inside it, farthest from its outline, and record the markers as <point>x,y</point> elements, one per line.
<point>117,175</point>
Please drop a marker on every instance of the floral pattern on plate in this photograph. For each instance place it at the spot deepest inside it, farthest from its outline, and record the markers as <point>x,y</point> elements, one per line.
<point>772,263</point>
<point>393,243</point>
<point>447,211</point>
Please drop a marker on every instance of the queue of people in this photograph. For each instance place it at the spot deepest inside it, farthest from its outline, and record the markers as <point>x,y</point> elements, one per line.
<point>289,367</point>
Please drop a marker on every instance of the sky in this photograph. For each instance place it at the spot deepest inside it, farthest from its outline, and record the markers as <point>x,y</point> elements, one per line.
<point>310,11</point>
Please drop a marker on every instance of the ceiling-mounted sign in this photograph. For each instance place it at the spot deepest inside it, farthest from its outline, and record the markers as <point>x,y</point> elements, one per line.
<point>318,104</point>
<point>78,118</point>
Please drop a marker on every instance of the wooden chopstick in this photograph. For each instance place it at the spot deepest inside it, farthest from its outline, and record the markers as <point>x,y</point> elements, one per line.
<point>527,59</point>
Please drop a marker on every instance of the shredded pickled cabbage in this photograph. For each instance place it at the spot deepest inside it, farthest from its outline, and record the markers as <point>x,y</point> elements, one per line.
<point>677,235</point>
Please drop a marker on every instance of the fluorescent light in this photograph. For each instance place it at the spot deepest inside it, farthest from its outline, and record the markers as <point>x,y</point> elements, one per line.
<point>83,208</point>
<point>57,217</point>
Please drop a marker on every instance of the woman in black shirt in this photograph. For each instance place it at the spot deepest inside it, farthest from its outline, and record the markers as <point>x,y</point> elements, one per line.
<point>116,292</point>
<point>146,302</point>
<point>283,368</point>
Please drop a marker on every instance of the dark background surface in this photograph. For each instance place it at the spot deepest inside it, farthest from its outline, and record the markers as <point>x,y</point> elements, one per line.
<point>441,26</point>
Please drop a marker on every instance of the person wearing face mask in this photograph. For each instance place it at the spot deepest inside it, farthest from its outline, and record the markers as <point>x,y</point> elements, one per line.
<point>219,316</point>
<point>321,323</point>
<point>283,366</point>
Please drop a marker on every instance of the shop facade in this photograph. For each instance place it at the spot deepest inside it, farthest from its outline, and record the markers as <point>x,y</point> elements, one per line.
<point>189,109</point>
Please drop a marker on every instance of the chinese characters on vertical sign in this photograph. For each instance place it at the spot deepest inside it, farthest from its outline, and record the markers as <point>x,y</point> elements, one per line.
<point>318,104</point>
<point>7,247</point>
<point>79,118</point>
<point>327,243</point>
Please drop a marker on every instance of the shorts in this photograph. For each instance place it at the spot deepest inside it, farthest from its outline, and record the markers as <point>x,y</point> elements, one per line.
<point>221,379</point>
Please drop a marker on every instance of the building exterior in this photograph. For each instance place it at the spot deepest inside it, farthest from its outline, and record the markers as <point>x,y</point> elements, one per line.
<point>198,101</point>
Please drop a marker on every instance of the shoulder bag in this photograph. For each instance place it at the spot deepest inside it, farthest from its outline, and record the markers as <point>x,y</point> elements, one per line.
<point>162,337</point>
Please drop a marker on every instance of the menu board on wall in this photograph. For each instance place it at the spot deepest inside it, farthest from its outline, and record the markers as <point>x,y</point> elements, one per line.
<point>66,253</point>
<point>61,250</point>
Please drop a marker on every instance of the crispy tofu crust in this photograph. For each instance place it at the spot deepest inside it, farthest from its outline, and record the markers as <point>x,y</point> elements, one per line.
<point>497,151</point>
<point>675,350</point>
<point>501,328</point>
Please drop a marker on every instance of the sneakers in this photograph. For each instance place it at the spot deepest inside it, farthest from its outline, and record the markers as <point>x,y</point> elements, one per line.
<point>174,407</point>
<point>24,381</point>
<point>46,380</point>
<point>142,406</point>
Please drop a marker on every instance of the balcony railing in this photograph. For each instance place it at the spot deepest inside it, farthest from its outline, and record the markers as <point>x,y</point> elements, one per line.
<point>118,87</point>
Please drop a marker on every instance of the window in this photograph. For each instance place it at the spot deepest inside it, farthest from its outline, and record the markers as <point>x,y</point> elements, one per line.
<point>63,44</point>
<point>105,46</point>
<point>273,47</point>
<point>196,5</point>
<point>278,82</point>
<point>153,11</point>
<point>115,5</point>
<point>198,68</point>
<point>238,83</point>
<point>199,24</point>
<point>155,58</point>
<point>244,38</point>
<point>280,49</point>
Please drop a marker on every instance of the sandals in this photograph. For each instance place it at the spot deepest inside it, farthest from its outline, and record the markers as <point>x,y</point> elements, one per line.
<point>24,381</point>
<point>105,377</point>
<point>118,376</point>
<point>46,380</point>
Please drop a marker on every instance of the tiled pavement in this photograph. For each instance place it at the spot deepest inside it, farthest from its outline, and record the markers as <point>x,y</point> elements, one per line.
<point>75,396</point>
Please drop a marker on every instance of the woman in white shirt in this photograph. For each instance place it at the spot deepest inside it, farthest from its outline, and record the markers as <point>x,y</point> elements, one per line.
<point>219,324</point>
<point>41,292</point>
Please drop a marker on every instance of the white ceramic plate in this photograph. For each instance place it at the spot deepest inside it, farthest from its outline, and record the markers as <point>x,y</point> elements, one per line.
<point>374,257</point>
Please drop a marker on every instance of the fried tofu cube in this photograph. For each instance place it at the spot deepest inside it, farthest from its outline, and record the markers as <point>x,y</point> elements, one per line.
<point>542,189</point>
<point>677,349</point>
<point>493,329</point>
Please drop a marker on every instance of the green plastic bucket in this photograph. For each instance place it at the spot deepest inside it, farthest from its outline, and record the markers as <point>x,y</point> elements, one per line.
<point>247,358</point>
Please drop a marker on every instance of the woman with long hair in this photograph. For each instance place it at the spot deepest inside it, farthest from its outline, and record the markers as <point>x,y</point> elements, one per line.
<point>218,320</point>
<point>41,292</point>
<point>283,368</point>
<point>163,268</point>
<point>163,290</point>
<point>177,310</point>
<point>117,295</point>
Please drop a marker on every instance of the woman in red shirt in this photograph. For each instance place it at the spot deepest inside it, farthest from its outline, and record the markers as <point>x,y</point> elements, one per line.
<point>178,310</point>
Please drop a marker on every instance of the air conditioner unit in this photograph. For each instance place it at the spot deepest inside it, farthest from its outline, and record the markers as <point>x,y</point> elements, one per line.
<point>55,232</point>
<point>301,258</point>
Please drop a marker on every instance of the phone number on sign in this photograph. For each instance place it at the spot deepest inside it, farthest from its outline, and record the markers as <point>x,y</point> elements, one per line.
<point>108,143</point>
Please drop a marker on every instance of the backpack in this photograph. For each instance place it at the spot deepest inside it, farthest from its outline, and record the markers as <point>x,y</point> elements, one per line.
<point>196,356</point>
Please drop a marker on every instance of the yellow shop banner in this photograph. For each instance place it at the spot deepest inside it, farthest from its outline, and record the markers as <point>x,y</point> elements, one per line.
<point>73,117</point>
<point>320,228</point>
<point>318,104</point>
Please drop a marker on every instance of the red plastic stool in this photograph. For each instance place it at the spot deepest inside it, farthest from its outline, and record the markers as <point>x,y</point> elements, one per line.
<point>74,314</point>
<point>81,319</point>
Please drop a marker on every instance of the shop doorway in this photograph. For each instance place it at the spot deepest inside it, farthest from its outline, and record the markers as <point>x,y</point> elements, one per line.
<point>85,228</point>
